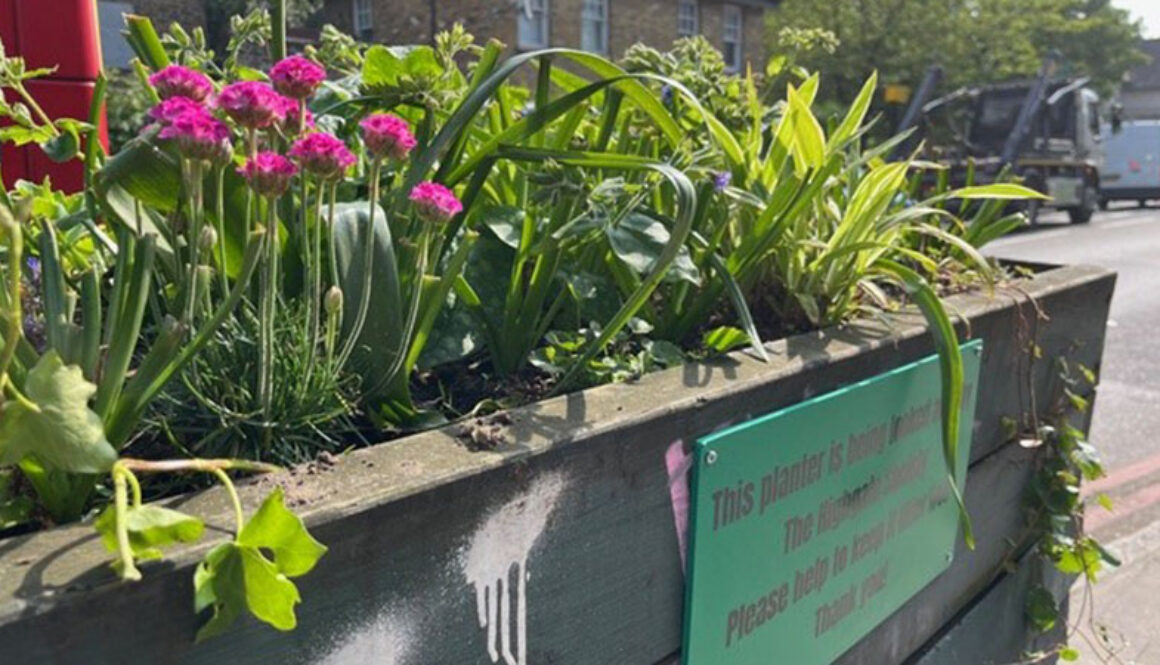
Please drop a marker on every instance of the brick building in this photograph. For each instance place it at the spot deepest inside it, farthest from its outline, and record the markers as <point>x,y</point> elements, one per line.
<point>602,26</point>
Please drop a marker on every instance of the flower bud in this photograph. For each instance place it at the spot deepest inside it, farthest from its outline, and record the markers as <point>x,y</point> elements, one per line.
<point>208,238</point>
<point>333,301</point>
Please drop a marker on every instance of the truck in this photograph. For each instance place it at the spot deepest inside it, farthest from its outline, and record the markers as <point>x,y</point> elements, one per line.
<point>1132,167</point>
<point>1047,131</point>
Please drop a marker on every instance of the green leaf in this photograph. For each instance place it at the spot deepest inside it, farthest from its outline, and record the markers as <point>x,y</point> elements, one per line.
<point>1041,609</point>
<point>280,531</point>
<point>420,62</point>
<point>384,330</point>
<point>505,222</point>
<point>381,68</point>
<point>15,507</point>
<point>1069,654</point>
<point>239,575</point>
<point>639,241</point>
<point>999,190</point>
<point>725,338</point>
<point>62,147</point>
<point>150,528</point>
<point>57,428</point>
<point>18,135</point>
<point>1105,502</point>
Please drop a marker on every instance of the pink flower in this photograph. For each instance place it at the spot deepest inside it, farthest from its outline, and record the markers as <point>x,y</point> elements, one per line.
<point>323,155</point>
<point>252,104</point>
<point>297,77</point>
<point>289,123</point>
<point>387,135</point>
<point>435,202</point>
<point>269,173</point>
<point>178,81</point>
<point>198,135</point>
<point>173,107</point>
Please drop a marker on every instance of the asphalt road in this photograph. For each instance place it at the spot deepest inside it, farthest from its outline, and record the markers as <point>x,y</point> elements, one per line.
<point>1115,621</point>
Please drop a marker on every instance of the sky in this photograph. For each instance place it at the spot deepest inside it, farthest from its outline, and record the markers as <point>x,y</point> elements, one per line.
<point>1149,10</point>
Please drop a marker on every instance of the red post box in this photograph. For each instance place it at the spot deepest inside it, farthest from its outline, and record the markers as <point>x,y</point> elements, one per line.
<point>62,34</point>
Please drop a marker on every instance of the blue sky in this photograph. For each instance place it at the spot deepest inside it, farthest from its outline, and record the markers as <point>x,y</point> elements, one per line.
<point>1149,10</point>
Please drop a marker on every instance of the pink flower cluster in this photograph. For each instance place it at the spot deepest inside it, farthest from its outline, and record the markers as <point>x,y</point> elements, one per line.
<point>434,202</point>
<point>193,129</point>
<point>387,136</point>
<point>269,173</point>
<point>177,81</point>
<point>252,104</point>
<point>323,155</point>
<point>297,77</point>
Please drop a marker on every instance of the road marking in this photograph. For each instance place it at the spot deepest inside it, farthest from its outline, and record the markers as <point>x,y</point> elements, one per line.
<point>1123,476</point>
<point>1124,508</point>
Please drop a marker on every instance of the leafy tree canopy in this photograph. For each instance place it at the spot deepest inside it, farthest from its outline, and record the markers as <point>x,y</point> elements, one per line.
<point>975,41</point>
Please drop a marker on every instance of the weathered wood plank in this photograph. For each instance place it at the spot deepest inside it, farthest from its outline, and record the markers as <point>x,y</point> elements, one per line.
<point>995,629</point>
<point>580,495</point>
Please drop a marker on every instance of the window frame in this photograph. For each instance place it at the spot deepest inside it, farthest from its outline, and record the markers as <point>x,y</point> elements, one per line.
<point>694,20</point>
<point>363,10</point>
<point>545,6</point>
<point>733,13</point>
<point>603,24</point>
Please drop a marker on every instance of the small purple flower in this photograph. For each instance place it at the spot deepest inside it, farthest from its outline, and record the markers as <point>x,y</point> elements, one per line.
<point>297,77</point>
<point>435,202</point>
<point>269,173</point>
<point>667,94</point>
<point>199,135</point>
<point>387,135</point>
<point>178,81</point>
<point>33,264</point>
<point>323,155</point>
<point>252,104</point>
<point>721,181</point>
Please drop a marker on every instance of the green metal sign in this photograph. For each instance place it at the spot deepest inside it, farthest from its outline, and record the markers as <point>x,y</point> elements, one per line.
<point>811,525</point>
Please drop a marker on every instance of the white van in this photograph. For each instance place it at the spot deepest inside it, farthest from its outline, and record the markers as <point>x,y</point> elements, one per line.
<point>1132,166</point>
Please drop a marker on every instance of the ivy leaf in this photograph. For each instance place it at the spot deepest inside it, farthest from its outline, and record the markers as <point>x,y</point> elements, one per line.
<point>240,575</point>
<point>150,528</point>
<point>280,531</point>
<point>58,428</point>
<point>1041,609</point>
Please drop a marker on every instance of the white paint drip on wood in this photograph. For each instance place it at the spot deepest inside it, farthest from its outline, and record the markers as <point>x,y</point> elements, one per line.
<point>503,542</point>
<point>387,640</point>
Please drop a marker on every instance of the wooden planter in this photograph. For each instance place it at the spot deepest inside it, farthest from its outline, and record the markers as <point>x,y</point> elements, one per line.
<point>572,511</point>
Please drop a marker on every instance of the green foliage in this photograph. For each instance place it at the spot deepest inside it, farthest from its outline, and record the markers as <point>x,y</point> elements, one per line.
<point>53,423</point>
<point>150,528</point>
<point>253,572</point>
<point>1057,507</point>
<point>979,41</point>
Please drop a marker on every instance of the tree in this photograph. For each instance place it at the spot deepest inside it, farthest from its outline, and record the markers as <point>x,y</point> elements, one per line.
<point>975,41</point>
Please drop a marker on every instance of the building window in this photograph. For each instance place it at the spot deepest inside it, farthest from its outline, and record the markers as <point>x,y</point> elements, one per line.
<point>364,25</point>
<point>594,26</point>
<point>731,28</point>
<point>532,27</point>
<point>687,18</point>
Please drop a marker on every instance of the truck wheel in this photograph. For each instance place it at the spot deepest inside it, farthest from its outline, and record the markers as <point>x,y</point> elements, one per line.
<point>1082,214</point>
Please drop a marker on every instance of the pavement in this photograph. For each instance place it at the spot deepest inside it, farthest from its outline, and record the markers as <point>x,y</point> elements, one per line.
<point>1118,619</point>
